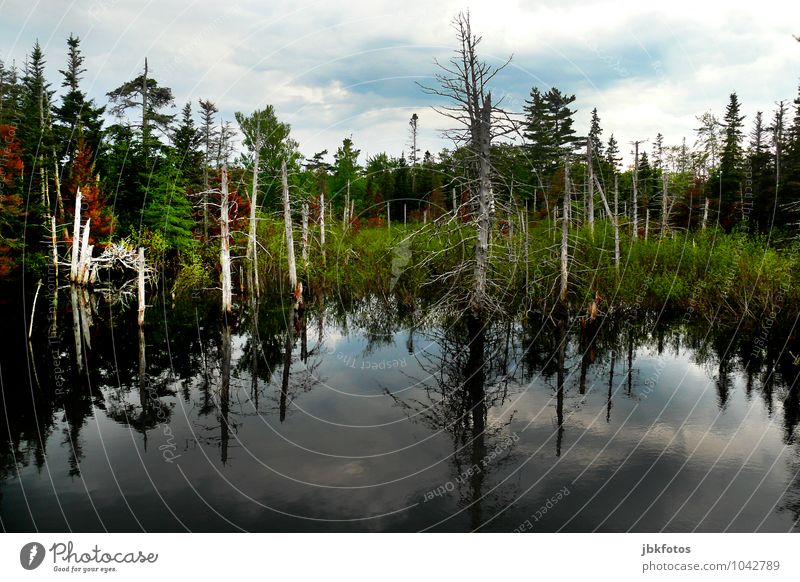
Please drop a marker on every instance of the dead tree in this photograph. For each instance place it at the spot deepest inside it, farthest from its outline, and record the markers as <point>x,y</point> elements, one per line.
<point>142,269</point>
<point>287,220</point>
<point>322,225</point>
<point>664,202</point>
<point>590,195</point>
<point>252,247</point>
<point>76,237</point>
<point>635,202</point>
<point>305,235</point>
<point>614,216</point>
<point>225,242</point>
<point>464,81</point>
<point>565,236</point>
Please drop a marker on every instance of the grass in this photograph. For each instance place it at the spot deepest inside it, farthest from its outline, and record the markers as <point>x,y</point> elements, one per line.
<point>713,273</point>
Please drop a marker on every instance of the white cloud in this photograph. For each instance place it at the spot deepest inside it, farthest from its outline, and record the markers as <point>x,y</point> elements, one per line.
<point>333,69</point>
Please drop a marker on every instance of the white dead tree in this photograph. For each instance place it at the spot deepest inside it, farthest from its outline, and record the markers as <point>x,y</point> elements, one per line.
<point>464,81</point>
<point>664,202</point>
<point>225,242</point>
<point>565,236</point>
<point>142,268</point>
<point>287,220</point>
<point>322,224</point>
<point>613,215</point>
<point>635,202</point>
<point>76,237</point>
<point>252,247</point>
<point>590,194</point>
<point>305,234</point>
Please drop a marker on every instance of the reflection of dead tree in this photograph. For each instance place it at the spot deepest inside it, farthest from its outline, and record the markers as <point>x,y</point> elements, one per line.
<point>466,384</point>
<point>296,325</point>
<point>224,391</point>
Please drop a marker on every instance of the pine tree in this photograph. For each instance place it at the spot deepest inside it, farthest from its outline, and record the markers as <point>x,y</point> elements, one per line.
<point>613,159</point>
<point>537,132</point>
<point>594,134</point>
<point>729,185</point>
<point>186,140</point>
<point>763,186</point>
<point>144,93</point>
<point>34,129</point>
<point>560,117</point>
<point>790,183</point>
<point>76,114</point>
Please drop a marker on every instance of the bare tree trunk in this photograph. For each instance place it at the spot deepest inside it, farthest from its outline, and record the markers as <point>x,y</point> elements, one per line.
<point>635,191</point>
<point>613,215</point>
<point>345,221</point>
<point>287,220</point>
<point>484,202</point>
<point>252,247</point>
<point>54,243</point>
<point>664,202</point>
<point>616,222</point>
<point>564,251</point>
<point>527,241</point>
<point>646,223</point>
<point>322,224</point>
<point>141,286</point>
<point>76,238</point>
<point>389,216</point>
<point>590,195</point>
<point>305,235</point>
<point>705,214</point>
<point>225,250</point>
<point>86,255</point>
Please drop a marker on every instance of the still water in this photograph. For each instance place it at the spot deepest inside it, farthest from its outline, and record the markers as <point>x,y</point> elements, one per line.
<point>363,415</point>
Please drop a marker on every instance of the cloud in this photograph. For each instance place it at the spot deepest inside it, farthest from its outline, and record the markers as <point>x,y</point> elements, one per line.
<point>335,69</point>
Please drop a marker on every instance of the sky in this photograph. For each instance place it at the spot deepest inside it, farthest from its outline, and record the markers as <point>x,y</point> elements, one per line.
<point>352,69</point>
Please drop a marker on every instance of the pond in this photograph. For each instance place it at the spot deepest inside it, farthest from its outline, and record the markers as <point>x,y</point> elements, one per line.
<point>368,415</point>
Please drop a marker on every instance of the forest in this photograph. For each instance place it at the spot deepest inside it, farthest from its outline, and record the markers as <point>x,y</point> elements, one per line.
<point>210,328</point>
<point>525,210</point>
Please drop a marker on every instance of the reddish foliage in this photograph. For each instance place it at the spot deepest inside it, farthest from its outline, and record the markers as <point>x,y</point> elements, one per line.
<point>376,222</point>
<point>93,201</point>
<point>10,156</point>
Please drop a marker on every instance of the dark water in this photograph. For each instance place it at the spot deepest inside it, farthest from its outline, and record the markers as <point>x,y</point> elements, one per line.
<point>367,416</point>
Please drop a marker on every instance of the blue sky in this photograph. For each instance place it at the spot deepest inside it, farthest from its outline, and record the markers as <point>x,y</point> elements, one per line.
<point>350,68</point>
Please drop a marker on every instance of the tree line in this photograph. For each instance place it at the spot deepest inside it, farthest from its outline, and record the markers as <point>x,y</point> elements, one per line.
<point>150,174</point>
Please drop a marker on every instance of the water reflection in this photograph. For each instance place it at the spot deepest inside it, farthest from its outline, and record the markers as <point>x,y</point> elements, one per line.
<point>364,405</point>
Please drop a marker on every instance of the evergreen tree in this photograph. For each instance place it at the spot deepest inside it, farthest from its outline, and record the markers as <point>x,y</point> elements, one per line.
<point>548,129</point>
<point>347,171</point>
<point>276,145</point>
<point>790,182</point>
<point>560,117</point>
<point>763,186</point>
<point>186,140</point>
<point>76,114</point>
<point>595,132</point>
<point>613,159</point>
<point>144,93</point>
<point>34,128</point>
<point>729,184</point>
<point>537,132</point>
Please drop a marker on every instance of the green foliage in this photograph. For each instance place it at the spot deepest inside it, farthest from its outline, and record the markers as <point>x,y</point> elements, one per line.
<point>193,274</point>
